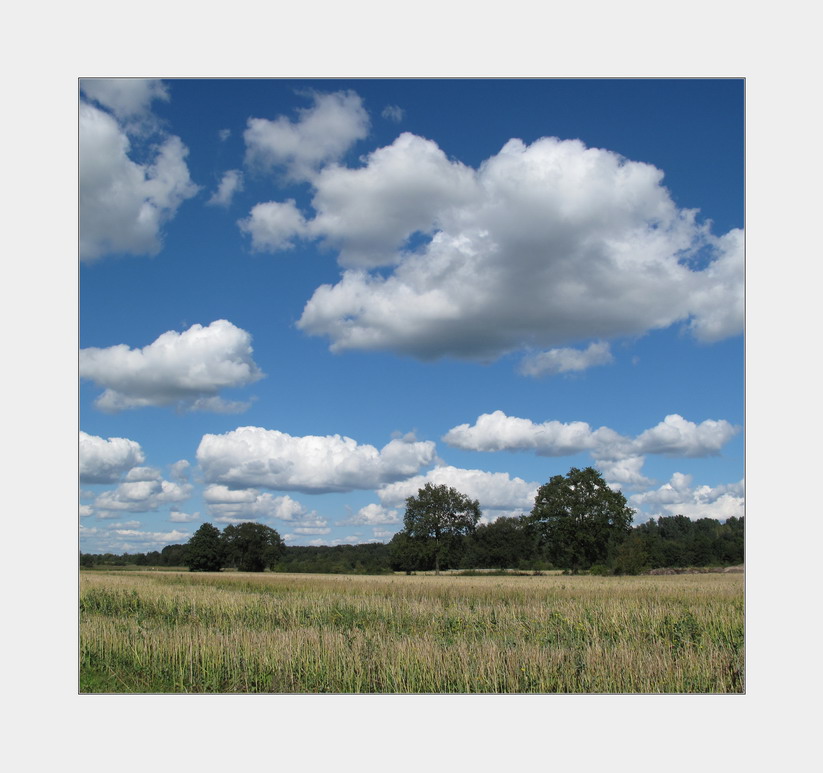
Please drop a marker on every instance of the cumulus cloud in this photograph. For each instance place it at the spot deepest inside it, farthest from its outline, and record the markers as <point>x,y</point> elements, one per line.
<point>105,460</point>
<point>676,436</point>
<point>494,490</point>
<point>176,516</point>
<point>273,226</point>
<point>184,369</point>
<point>128,540</point>
<point>566,360</point>
<point>619,458</point>
<point>680,497</point>
<point>322,134</point>
<point>542,245</point>
<point>373,515</point>
<point>255,457</point>
<point>231,183</point>
<point>127,98</point>
<point>124,204</point>
<point>238,505</point>
<point>141,496</point>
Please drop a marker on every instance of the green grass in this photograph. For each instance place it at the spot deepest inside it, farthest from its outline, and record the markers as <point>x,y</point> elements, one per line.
<point>228,633</point>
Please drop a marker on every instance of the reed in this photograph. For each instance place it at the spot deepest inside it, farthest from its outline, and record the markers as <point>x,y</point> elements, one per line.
<point>277,633</point>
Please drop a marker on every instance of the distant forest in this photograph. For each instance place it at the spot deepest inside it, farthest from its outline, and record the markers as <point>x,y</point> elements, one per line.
<point>507,543</point>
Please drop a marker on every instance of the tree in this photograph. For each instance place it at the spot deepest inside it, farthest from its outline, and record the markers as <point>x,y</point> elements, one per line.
<point>581,521</point>
<point>205,551</point>
<point>438,518</point>
<point>252,547</point>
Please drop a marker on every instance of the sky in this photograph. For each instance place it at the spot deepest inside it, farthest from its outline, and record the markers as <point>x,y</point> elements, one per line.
<point>301,300</point>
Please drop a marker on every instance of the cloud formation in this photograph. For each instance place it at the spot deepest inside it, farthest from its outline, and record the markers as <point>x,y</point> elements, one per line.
<point>249,457</point>
<point>231,183</point>
<point>104,460</point>
<point>680,497</point>
<point>141,496</point>
<point>127,98</point>
<point>620,458</point>
<point>494,490</point>
<point>566,360</point>
<point>323,133</point>
<point>543,245</point>
<point>184,369</point>
<point>123,204</point>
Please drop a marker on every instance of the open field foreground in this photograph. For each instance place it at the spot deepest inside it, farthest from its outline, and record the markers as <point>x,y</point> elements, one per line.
<point>152,632</point>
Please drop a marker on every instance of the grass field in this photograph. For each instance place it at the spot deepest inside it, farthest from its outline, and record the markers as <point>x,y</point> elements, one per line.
<point>167,632</point>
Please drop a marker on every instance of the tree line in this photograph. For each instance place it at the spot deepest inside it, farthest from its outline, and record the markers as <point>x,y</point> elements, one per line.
<point>578,523</point>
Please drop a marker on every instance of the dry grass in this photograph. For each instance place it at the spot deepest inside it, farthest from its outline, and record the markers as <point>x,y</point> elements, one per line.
<point>168,632</point>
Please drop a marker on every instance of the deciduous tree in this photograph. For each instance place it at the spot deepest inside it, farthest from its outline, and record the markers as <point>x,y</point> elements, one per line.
<point>580,519</point>
<point>438,518</point>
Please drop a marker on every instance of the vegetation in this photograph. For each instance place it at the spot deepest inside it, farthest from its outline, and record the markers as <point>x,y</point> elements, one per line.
<point>579,519</point>
<point>436,521</point>
<point>178,632</point>
<point>577,524</point>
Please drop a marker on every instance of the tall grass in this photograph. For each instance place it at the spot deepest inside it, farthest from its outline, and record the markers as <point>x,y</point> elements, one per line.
<point>167,632</point>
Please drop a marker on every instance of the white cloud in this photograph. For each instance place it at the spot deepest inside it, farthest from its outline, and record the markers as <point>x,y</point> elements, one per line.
<point>679,497</point>
<point>624,473</point>
<point>143,473</point>
<point>542,245</point>
<point>141,496</point>
<point>128,540</point>
<point>186,369</point>
<point>180,470</point>
<point>406,187</point>
<point>238,505</point>
<point>105,460</point>
<point>322,134</point>
<point>494,490</point>
<point>176,516</point>
<point>252,456</point>
<point>124,204</point>
<point>127,98</point>
<point>675,436</point>
<point>499,432</point>
<point>231,183</point>
<point>565,360</point>
<point>372,515</point>
<point>273,226</point>
<point>85,511</point>
<point>224,134</point>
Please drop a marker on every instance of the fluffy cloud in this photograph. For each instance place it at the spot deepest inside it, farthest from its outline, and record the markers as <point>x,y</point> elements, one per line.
<point>675,436</point>
<point>231,183</point>
<point>105,460</point>
<point>618,457</point>
<point>373,515</point>
<point>128,540</point>
<point>679,497</point>
<point>566,360</point>
<point>253,456</point>
<point>274,225</point>
<point>542,245</point>
<point>494,490</point>
<point>141,496</point>
<point>124,204</point>
<point>322,134</point>
<point>393,113</point>
<point>237,505</point>
<point>499,432</point>
<point>176,516</point>
<point>186,369</point>
<point>127,98</point>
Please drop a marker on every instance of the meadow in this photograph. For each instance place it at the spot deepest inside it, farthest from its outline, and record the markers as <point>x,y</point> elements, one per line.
<point>180,632</point>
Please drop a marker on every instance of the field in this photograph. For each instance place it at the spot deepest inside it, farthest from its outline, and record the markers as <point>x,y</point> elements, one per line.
<point>168,632</point>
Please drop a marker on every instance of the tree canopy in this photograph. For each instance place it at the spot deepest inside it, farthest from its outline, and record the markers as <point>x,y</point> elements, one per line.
<point>437,519</point>
<point>580,520</point>
<point>205,551</point>
<point>252,547</point>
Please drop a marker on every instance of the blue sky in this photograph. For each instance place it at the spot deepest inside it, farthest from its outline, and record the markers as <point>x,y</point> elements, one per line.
<point>301,300</point>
